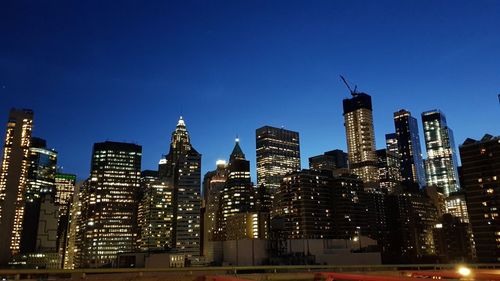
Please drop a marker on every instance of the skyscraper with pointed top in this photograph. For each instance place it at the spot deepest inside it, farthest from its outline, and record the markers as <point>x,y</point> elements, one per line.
<point>182,168</point>
<point>238,194</point>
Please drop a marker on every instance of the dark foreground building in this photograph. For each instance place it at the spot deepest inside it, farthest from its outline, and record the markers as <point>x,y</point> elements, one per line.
<point>481,177</point>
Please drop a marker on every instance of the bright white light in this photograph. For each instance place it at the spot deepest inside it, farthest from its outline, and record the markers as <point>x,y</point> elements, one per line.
<point>464,271</point>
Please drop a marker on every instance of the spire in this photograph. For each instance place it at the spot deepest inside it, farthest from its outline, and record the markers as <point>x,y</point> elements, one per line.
<point>181,122</point>
<point>237,152</point>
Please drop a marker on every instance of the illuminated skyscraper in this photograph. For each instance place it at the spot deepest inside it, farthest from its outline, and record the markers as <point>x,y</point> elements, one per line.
<point>13,178</point>
<point>441,163</point>
<point>238,193</point>
<point>388,167</point>
<point>410,153</point>
<point>155,213</point>
<point>278,153</point>
<point>65,188</point>
<point>358,122</point>
<point>334,160</point>
<point>182,168</point>
<point>109,203</point>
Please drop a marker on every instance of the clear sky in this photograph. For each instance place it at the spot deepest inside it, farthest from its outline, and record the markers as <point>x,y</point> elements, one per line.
<point>125,70</point>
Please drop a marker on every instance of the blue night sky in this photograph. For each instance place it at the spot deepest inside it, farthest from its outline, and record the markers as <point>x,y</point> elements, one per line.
<point>125,70</point>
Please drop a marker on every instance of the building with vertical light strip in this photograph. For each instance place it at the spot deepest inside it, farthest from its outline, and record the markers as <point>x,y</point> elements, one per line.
<point>278,153</point>
<point>358,122</point>
<point>182,168</point>
<point>13,179</point>
<point>441,163</point>
<point>410,153</point>
<point>109,203</point>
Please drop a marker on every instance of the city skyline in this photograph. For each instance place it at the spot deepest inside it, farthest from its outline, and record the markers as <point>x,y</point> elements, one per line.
<point>428,61</point>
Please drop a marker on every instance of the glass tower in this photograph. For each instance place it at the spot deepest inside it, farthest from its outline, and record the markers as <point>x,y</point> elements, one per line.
<point>441,163</point>
<point>408,141</point>
<point>278,153</point>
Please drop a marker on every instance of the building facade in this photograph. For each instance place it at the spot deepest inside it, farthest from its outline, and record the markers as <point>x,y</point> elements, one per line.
<point>389,170</point>
<point>278,153</point>
<point>13,180</point>
<point>441,162</point>
<point>109,203</point>
<point>358,122</point>
<point>409,150</point>
<point>481,176</point>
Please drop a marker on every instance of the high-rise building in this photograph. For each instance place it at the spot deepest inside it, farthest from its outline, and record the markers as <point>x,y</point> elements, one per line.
<point>481,176</point>
<point>411,218</point>
<point>453,241</point>
<point>441,162</point>
<point>456,205</point>
<point>72,253</point>
<point>13,179</point>
<point>65,188</point>
<point>155,213</point>
<point>358,122</point>
<point>304,200</point>
<point>388,167</point>
<point>410,153</point>
<point>278,153</point>
<point>182,168</point>
<point>213,186</point>
<point>109,203</point>
<point>238,193</point>
<point>41,214</point>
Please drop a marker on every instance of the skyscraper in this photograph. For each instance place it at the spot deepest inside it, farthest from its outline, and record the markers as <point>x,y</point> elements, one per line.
<point>441,163</point>
<point>334,160</point>
<point>182,168</point>
<point>155,213</point>
<point>238,193</point>
<point>278,153</point>
<point>358,122</point>
<point>410,153</point>
<point>391,143</point>
<point>481,175</point>
<point>40,195</point>
<point>13,178</point>
<point>109,203</point>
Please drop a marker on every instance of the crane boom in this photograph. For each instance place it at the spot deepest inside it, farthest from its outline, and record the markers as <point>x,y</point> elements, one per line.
<point>347,84</point>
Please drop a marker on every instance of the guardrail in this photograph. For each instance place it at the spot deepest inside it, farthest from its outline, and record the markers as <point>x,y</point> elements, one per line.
<point>82,272</point>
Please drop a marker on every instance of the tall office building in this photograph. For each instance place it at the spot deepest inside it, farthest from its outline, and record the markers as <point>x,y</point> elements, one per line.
<point>481,175</point>
<point>238,193</point>
<point>182,168</point>
<point>358,122</point>
<point>213,185</point>
<point>278,153</point>
<point>65,188</point>
<point>441,163</point>
<point>71,253</point>
<point>40,195</point>
<point>155,213</point>
<point>109,203</point>
<point>13,179</point>
<point>410,153</point>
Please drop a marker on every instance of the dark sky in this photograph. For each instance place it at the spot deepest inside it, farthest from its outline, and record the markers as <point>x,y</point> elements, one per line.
<point>125,70</point>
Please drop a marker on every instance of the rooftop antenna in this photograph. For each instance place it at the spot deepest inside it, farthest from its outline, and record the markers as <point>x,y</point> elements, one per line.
<point>353,92</point>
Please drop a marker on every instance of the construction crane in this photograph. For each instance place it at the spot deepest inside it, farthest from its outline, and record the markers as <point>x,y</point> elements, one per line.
<point>353,92</point>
